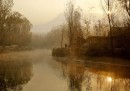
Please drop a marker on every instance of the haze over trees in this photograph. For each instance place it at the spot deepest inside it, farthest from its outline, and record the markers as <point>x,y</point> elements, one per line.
<point>77,32</point>
<point>14,27</point>
<point>126,5</point>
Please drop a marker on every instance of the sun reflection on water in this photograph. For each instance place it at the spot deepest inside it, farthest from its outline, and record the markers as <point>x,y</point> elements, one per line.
<point>109,79</point>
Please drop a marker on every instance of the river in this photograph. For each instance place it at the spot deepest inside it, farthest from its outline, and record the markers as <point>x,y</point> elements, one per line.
<point>37,70</point>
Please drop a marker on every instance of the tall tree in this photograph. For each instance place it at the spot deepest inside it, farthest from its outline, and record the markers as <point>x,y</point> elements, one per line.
<point>5,9</point>
<point>73,18</point>
<point>69,13</point>
<point>77,23</point>
<point>14,27</point>
<point>18,26</point>
<point>107,7</point>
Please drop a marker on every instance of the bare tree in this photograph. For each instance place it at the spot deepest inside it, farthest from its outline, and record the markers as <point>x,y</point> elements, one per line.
<point>69,13</point>
<point>107,7</point>
<point>73,18</point>
<point>77,23</point>
<point>63,29</point>
<point>126,5</point>
<point>100,28</point>
<point>86,28</point>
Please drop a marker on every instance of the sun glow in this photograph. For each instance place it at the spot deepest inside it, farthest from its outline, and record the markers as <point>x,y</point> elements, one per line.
<point>109,79</point>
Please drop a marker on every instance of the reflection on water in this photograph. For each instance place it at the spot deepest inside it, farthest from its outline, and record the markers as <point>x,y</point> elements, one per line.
<point>95,77</point>
<point>14,74</point>
<point>60,74</point>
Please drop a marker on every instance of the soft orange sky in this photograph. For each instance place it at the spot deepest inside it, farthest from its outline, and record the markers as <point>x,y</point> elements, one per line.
<point>42,11</point>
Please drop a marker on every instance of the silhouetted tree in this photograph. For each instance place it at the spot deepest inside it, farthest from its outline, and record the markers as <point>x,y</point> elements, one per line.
<point>69,13</point>
<point>73,18</point>
<point>108,10</point>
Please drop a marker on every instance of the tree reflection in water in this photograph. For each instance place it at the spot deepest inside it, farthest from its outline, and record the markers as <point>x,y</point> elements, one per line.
<point>14,74</point>
<point>93,77</point>
<point>75,76</point>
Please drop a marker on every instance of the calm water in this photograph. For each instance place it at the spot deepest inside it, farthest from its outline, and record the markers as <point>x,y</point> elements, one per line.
<point>39,71</point>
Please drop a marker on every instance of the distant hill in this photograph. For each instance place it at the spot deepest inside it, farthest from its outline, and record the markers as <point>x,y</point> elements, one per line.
<point>44,28</point>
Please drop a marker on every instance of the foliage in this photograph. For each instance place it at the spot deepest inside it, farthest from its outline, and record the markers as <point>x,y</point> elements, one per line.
<point>126,5</point>
<point>73,19</point>
<point>100,29</point>
<point>14,27</point>
<point>52,39</point>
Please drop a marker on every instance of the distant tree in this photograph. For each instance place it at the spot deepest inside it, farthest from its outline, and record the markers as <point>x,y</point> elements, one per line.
<point>69,13</point>
<point>14,27</point>
<point>73,18</point>
<point>38,40</point>
<point>57,37</point>
<point>63,29</point>
<point>100,29</point>
<point>18,29</point>
<point>86,28</point>
<point>5,9</point>
<point>77,27</point>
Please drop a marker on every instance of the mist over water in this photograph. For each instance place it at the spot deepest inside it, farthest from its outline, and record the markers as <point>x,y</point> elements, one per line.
<point>64,45</point>
<point>38,70</point>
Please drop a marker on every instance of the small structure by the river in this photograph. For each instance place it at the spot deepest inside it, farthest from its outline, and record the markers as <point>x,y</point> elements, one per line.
<point>101,45</point>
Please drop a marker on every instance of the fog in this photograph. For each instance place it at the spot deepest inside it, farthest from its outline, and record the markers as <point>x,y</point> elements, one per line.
<point>38,70</point>
<point>42,12</point>
<point>64,45</point>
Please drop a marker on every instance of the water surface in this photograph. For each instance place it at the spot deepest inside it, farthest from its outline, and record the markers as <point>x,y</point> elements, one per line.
<point>37,70</point>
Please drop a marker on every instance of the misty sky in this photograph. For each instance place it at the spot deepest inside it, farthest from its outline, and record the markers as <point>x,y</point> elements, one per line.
<point>43,11</point>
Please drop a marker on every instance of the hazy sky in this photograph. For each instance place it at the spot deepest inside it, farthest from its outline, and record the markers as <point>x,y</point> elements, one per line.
<point>42,11</point>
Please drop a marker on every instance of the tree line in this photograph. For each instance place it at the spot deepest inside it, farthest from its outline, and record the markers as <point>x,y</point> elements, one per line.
<point>77,28</point>
<point>14,27</point>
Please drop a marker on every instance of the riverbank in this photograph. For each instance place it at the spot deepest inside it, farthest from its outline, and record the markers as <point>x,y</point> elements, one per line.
<point>34,55</point>
<point>116,68</point>
<point>95,60</point>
